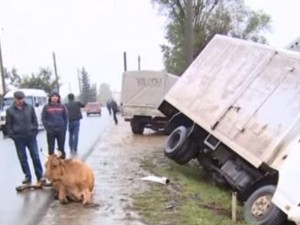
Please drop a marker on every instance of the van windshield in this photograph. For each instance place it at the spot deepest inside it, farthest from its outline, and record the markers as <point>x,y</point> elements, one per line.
<point>9,101</point>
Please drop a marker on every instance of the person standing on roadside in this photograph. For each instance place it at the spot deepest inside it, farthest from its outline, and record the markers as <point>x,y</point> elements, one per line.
<point>108,106</point>
<point>114,108</point>
<point>74,112</point>
<point>22,128</point>
<point>55,121</point>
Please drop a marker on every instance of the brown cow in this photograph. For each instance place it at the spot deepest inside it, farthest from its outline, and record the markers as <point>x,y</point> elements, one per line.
<point>71,178</point>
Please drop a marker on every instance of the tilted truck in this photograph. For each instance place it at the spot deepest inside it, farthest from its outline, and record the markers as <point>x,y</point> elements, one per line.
<point>142,92</point>
<point>237,108</point>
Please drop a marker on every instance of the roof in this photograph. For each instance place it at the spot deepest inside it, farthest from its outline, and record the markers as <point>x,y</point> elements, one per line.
<point>27,92</point>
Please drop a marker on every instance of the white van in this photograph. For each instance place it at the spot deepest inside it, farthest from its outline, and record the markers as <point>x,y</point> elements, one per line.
<point>35,97</point>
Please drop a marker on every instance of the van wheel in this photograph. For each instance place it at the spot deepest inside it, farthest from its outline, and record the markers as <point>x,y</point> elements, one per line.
<point>175,142</point>
<point>259,209</point>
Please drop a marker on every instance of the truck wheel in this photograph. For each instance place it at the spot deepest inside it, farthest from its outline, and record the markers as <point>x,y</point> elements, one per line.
<point>175,142</point>
<point>187,152</point>
<point>259,209</point>
<point>137,127</point>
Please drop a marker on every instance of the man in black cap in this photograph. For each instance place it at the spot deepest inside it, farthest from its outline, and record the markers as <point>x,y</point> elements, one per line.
<point>22,127</point>
<point>74,112</point>
<point>55,121</point>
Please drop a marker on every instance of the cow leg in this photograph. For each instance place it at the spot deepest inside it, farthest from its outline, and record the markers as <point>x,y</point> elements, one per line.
<point>86,198</point>
<point>62,196</point>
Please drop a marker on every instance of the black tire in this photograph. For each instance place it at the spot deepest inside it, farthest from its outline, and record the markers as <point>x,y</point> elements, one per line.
<point>186,153</point>
<point>137,127</point>
<point>175,142</point>
<point>255,214</point>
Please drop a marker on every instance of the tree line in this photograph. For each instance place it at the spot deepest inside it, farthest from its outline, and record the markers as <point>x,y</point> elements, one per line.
<point>45,80</point>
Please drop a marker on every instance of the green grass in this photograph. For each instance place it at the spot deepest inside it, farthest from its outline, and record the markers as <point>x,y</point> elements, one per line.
<point>191,199</point>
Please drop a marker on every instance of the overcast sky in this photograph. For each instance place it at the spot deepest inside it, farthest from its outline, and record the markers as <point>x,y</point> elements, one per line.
<point>95,33</point>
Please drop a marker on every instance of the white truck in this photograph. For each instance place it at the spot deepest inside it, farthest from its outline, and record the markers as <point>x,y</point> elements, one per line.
<point>142,92</point>
<point>237,108</point>
<point>36,97</point>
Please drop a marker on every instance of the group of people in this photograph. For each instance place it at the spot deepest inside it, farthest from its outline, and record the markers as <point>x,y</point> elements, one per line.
<point>22,127</point>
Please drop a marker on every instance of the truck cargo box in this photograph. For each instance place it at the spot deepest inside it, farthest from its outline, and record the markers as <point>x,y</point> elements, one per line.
<point>142,92</point>
<point>245,94</point>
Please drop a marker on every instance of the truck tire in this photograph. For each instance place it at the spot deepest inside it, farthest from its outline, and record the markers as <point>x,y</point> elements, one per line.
<point>175,142</point>
<point>137,127</point>
<point>259,210</point>
<point>187,152</point>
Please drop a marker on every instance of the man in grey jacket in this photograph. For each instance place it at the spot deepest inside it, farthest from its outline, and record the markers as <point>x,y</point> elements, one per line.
<point>22,127</point>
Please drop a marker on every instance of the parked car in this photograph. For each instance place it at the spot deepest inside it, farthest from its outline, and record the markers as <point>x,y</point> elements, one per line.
<point>93,108</point>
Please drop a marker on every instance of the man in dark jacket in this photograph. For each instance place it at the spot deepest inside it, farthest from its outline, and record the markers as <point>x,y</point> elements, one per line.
<point>55,121</point>
<point>74,112</point>
<point>22,127</point>
<point>114,108</point>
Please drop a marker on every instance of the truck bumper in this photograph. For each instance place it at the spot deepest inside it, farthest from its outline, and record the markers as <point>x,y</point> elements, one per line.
<point>289,208</point>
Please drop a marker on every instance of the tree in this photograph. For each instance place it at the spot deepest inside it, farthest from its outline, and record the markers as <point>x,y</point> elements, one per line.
<point>210,17</point>
<point>43,80</point>
<point>12,78</point>
<point>88,91</point>
<point>105,93</point>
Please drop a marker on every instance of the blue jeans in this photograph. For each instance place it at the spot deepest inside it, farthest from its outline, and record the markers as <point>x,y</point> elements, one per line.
<point>73,134</point>
<point>31,143</point>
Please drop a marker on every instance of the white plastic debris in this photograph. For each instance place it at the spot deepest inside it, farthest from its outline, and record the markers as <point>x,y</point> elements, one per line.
<point>161,180</point>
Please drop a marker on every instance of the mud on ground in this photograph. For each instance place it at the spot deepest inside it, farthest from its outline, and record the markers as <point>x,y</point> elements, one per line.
<point>116,161</point>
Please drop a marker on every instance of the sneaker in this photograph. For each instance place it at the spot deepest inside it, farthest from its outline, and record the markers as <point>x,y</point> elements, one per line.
<point>26,181</point>
<point>41,182</point>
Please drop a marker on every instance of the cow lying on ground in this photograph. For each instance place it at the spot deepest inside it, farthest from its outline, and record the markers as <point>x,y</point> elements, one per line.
<point>71,178</point>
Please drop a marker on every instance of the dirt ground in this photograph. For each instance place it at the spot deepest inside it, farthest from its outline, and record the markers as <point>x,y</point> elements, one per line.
<point>116,164</point>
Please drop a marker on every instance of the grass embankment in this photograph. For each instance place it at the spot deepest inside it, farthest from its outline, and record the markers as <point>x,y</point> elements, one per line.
<point>191,198</point>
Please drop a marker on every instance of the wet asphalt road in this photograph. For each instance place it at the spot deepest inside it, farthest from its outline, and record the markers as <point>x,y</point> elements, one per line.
<point>26,208</point>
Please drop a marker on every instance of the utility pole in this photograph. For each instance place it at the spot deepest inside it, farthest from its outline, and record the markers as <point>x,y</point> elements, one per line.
<point>3,86</point>
<point>55,71</point>
<point>125,61</point>
<point>189,31</point>
<point>139,62</point>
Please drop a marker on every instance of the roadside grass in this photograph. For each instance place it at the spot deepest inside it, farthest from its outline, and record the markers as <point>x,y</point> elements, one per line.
<point>191,198</point>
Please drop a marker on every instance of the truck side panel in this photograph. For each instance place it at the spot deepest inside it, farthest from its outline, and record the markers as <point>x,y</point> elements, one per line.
<point>232,90</point>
